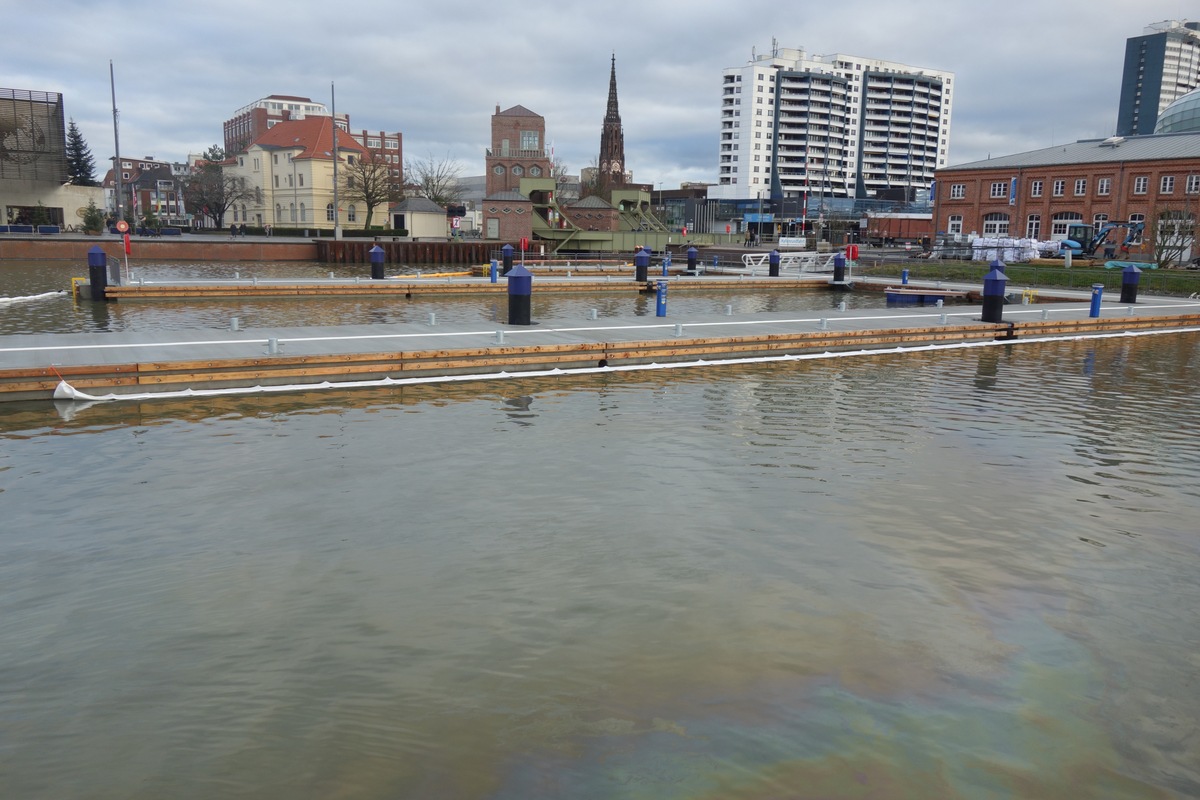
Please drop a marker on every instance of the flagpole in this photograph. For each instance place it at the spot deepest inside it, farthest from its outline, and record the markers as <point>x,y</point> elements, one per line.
<point>119,189</point>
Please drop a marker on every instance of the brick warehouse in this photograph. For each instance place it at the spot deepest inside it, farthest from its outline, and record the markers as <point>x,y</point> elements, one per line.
<point>1036,194</point>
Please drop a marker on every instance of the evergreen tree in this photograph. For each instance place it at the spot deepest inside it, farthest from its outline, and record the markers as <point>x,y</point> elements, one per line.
<point>81,167</point>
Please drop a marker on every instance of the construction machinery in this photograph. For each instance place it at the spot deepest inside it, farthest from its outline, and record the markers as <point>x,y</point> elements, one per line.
<point>1084,239</point>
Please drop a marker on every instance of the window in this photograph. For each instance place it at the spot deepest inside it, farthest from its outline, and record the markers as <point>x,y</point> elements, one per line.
<point>303,214</point>
<point>292,212</point>
<point>518,170</point>
<point>329,212</point>
<point>1035,189</point>
<point>1166,185</point>
<point>1033,226</point>
<point>276,181</point>
<point>1135,220</point>
<point>1060,221</point>
<point>999,189</point>
<point>391,144</point>
<point>1080,187</point>
<point>1098,220</point>
<point>954,224</point>
<point>274,158</point>
<point>1104,186</point>
<point>301,177</point>
<point>1193,185</point>
<point>278,213</point>
<point>1059,189</point>
<point>351,214</point>
<point>995,224</point>
<point>529,140</point>
<point>373,143</point>
<point>535,171</point>
<point>498,169</point>
<point>958,191</point>
<point>1141,184</point>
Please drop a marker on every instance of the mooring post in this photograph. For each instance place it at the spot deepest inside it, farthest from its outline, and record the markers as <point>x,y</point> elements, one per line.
<point>666,262</point>
<point>993,296</point>
<point>98,272</point>
<point>660,306</point>
<point>507,252</point>
<point>1097,296</point>
<point>773,264</point>
<point>904,277</point>
<point>1129,283</point>
<point>376,254</point>
<point>495,271</point>
<point>691,254</point>
<point>520,291</point>
<point>839,267</point>
<point>641,264</point>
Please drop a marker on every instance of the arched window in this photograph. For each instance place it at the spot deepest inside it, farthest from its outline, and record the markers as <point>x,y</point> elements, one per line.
<point>1098,221</point>
<point>352,214</point>
<point>292,212</point>
<point>954,224</point>
<point>303,218</point>
<point>995,224</point>
<point>329,212</point>
<point>1033,226</point>
<point>1060,221</point>
<point>278,213</point>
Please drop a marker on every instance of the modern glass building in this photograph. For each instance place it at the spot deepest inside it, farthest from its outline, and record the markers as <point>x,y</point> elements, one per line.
<point>1161,65</point>
<point>1182,116</point>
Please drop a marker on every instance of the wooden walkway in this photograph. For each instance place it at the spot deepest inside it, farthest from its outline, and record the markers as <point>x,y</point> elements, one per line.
<point>137,364</point>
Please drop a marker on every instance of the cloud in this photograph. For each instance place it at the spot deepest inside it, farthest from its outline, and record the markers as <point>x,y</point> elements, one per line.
<point>1035,75</point>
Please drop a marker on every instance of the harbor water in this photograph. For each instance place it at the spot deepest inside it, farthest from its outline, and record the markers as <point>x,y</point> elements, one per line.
<point>954,574</point>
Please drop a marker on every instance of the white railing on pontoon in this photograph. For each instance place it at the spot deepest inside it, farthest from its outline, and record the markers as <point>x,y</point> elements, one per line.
<point>789,263</point>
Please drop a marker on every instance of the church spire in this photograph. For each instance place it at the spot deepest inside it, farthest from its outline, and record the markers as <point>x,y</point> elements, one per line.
<point>612,114</point>
<point>612,140</point>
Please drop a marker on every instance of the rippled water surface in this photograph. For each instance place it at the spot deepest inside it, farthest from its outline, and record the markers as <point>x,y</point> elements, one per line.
<point>60,314</point>
<point>942,575</point>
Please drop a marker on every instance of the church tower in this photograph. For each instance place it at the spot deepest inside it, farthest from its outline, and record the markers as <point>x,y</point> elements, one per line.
<point>612,141</point>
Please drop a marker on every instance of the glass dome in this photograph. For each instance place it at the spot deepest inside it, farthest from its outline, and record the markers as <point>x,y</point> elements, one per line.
<point>1181,116</point>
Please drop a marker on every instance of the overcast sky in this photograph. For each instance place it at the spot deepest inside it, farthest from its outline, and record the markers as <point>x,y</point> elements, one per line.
<point>1029,73</point>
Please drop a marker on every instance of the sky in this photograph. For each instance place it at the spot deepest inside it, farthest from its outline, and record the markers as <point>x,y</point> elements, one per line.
<point>1028,73</point>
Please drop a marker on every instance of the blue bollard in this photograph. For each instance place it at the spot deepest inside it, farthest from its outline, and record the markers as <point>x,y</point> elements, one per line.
<point>1097,296</point>
<point>691,254</point>
<point>520,292</point>
<point>495,270</point>
<point>666,263</point>
<point>660,306</point>
<point>839,268</point>
<point>641,264</point>
<point>904,277</point>
<point>377,255</point>
<point>1129,283</point>
<point>997,264</point>
<point>507,252</point>
<point>993,296</point>
<point>98,272</point>
<point>773,264</point>
<point>716,261</point>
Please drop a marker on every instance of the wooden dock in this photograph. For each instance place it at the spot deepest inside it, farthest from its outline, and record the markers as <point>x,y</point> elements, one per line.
<point>31,367</point>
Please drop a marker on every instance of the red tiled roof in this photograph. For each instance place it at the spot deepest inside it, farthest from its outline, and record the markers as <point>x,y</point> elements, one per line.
<point>314,134</point>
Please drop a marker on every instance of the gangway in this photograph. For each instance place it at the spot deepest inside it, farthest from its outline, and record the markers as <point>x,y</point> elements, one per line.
<point>789,263</point>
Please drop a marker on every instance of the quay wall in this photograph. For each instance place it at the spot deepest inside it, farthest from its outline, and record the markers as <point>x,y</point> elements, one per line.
<point>167,249</point>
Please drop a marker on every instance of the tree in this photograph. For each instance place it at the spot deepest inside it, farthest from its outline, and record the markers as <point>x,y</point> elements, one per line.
<point>209,191</point>
<point>81,167</point>
<point>435,179</point>
<point>1176,226</point>
<point>93,218</point>
<point>368,180</point>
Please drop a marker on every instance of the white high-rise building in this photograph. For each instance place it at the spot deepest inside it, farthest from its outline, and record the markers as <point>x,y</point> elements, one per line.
<point>836,125</point>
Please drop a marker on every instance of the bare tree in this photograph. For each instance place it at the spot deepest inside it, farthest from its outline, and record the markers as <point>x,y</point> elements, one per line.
<point>1176,226</point>
<point>368,180</point>
<point>435,179</point>
<point>209,191</point>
